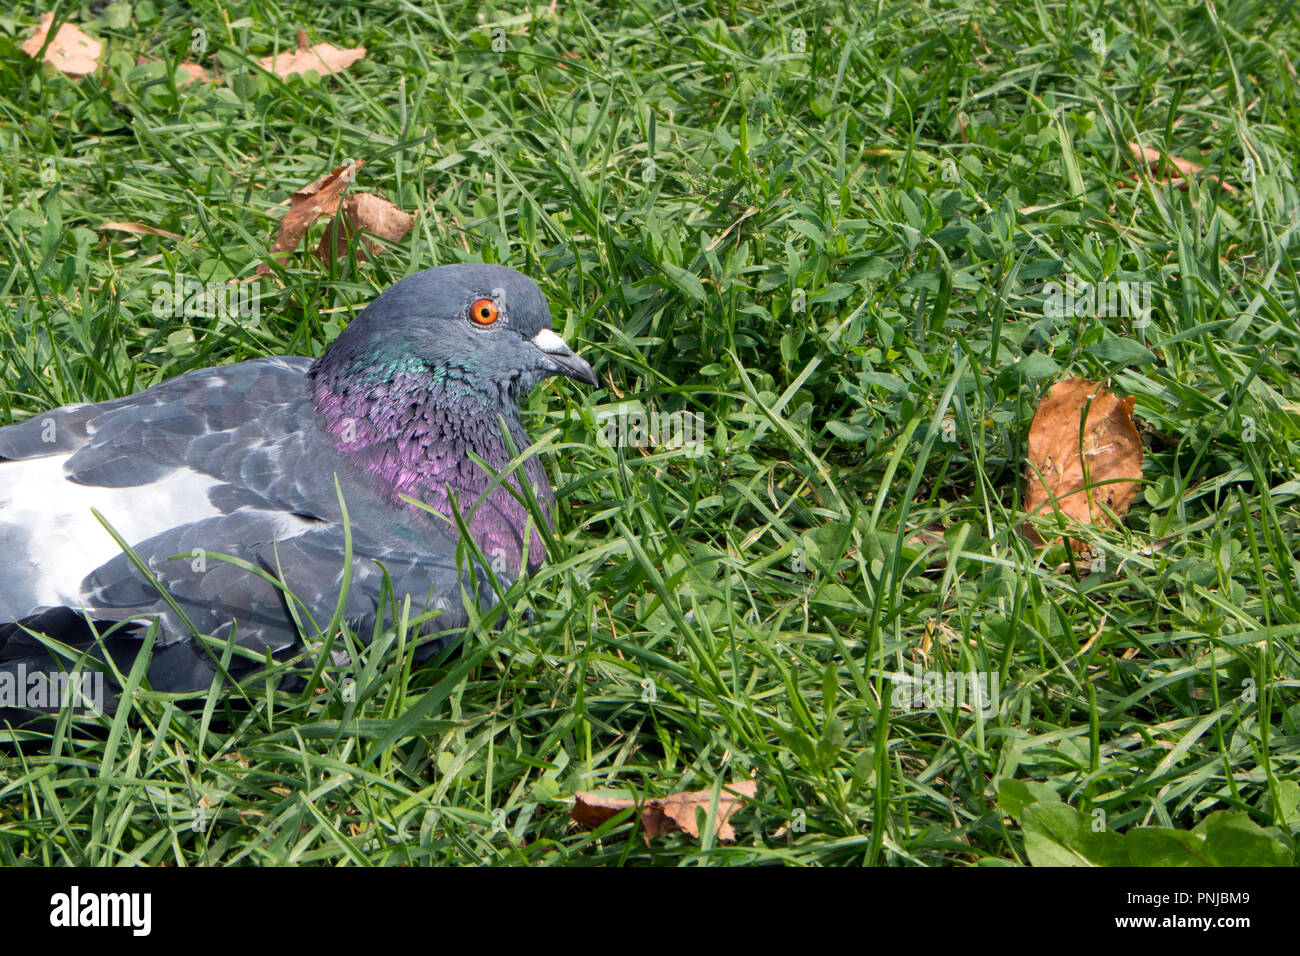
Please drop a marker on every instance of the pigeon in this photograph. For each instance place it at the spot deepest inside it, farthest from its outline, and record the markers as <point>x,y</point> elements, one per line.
<point>226,484</point>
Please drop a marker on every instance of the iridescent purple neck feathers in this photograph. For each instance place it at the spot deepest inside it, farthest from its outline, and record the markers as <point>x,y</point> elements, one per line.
<point>412,428</point>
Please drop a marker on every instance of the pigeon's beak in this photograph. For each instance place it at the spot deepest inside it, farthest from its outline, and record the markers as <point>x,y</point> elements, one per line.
<point>565,360</point>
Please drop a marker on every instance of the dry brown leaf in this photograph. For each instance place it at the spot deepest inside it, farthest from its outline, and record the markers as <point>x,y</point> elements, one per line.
<point>1110,449</point>
<point>1151,158</point>
<point>661,817</point>
<point>193,71</point>
<point>677,812</point>
<point>324,58</point>
<point>316,199</point>
<point>71,51</point>
<point>138,228</point>
<point>368,213</point>
<point>592,809</point>
<point>923,538</point>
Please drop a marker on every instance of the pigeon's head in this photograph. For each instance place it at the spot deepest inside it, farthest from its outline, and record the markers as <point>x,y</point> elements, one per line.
<point>482,331</point>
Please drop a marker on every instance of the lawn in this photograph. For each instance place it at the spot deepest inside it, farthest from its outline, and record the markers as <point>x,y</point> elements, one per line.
<point>820,240</point>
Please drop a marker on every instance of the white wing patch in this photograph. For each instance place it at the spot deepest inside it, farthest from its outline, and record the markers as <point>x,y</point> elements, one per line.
<point>66,541</point>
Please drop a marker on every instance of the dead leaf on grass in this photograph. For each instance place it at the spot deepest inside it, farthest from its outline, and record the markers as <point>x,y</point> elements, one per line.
<point>660,817</point>
<point>1080,474</point>
<point>71,51</point>
<point>316,199</point>
<point>193,71</point>
<point>187,72</point>
<point>366,213</point>
<point>324,58</point>
<point>1183,169</point>
<point>137,228</point>
<point>593,809</point>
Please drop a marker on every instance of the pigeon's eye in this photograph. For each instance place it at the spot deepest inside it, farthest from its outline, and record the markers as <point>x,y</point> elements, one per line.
<point>484,312</point>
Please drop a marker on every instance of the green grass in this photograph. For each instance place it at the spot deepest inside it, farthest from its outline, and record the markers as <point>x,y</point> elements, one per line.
<point>836,257</point>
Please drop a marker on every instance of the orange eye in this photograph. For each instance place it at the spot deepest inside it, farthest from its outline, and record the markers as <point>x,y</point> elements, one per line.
<point>484,311</point>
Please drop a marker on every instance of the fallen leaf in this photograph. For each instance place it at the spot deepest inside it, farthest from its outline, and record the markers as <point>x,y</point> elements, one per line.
<point>316,199</point>
<point>660,817</point>
<point>71,51</point>
<point>324,58</point>
<point>193,71</point>
<point>1079,476</point>
<point>138,228</point>
<point>592,809</point>
<point>925,537</point>
<point>368,213</point>
<point>1185,168</point>
<point>1152,156</point>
